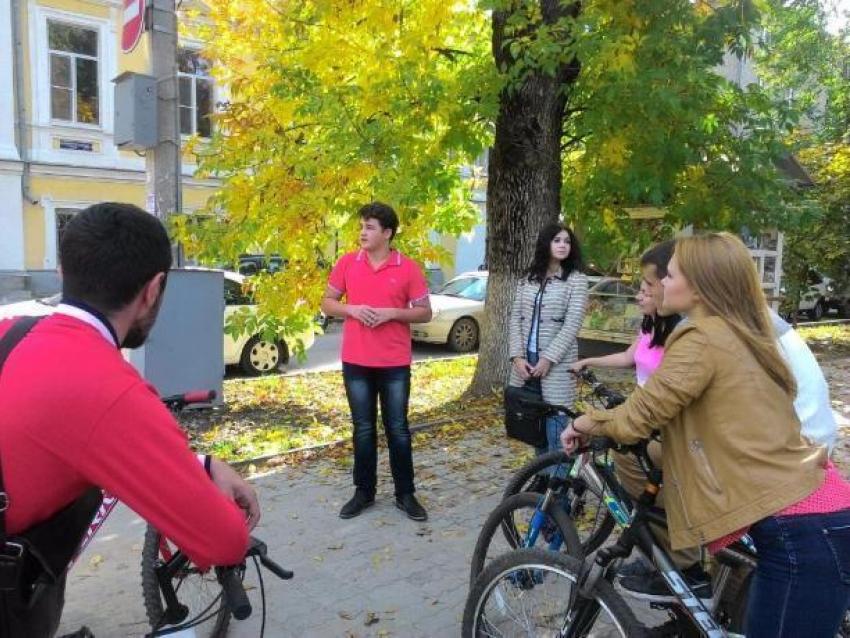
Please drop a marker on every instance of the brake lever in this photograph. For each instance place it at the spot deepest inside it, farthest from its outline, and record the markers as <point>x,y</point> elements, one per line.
<point>259,549</point>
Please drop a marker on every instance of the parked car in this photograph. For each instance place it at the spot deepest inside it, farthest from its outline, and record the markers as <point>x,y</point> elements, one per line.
<point>252,264</point>
<point>254,354</point>
<point>838,298</point>
<point>813,297</point>
<point>458,308</point>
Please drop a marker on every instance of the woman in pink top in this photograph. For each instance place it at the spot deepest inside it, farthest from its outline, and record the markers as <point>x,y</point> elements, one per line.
<point>646,352</point>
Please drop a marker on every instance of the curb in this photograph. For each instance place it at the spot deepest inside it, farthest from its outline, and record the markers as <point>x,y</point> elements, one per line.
<point>419,427</point>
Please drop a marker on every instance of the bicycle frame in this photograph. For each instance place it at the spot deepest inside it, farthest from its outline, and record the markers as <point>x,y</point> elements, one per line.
<point>175,404</point>
<point>103,512</point>
<point>635,532</point>
<point>634,518</point>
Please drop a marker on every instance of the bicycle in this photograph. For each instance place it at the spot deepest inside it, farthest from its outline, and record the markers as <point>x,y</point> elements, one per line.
<point>524,516</point>
<point>230,600</point>
<point>583,587</point>
<point>213,595</point>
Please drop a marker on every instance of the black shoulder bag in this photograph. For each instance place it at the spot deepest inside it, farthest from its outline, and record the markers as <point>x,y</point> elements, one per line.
<point>525,422</point>
<point>34,563</point>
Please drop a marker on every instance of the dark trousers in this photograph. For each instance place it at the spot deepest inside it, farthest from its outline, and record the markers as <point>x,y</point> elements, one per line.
<point>363,387</point>
<point>801,586</point>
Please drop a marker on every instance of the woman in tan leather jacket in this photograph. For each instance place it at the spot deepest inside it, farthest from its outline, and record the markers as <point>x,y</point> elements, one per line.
<point>735,461</point>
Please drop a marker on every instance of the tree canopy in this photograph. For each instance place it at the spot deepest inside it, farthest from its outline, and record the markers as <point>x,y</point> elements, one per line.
<point>332,104</point>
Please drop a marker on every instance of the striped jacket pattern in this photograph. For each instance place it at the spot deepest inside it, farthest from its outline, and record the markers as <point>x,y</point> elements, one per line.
<point>561,316</point>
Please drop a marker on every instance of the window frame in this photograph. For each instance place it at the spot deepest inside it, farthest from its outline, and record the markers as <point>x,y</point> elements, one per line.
<point>73,57</point>
<point>194,78</point>
<point>45,128</point>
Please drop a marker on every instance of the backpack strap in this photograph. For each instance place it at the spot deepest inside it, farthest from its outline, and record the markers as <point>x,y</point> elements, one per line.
<point>12,338</point>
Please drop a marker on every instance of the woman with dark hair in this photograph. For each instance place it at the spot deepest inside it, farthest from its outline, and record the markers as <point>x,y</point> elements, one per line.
<point>646,351</point>
<point>545,319</point>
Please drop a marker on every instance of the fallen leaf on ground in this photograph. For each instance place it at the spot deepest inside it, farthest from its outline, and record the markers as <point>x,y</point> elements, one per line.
<point>371,618</point>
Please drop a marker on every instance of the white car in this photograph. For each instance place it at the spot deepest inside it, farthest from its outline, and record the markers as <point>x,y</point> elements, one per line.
<point>458,309</point>
<point>813,297</point>
<point>252,353</point>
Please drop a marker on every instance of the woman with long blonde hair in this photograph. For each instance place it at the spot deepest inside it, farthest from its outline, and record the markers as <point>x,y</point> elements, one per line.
<point>735,461</point>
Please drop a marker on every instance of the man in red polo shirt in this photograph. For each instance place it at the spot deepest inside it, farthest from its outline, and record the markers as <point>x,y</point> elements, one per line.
<point>385,292</point>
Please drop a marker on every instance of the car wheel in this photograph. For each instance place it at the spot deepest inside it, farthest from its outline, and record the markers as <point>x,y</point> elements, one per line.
<point>844,309</point>
<point>816,313</point>
<point>463,337</point>
<point>260,356</point>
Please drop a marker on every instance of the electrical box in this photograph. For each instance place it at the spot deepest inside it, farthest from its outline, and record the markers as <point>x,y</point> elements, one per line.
<point>135,111</point>
<point>185,349</point>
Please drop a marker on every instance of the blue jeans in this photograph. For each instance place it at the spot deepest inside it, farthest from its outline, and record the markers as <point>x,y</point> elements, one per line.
<point>363,387</point>
<point>554,424</point>
<point>801,586</point>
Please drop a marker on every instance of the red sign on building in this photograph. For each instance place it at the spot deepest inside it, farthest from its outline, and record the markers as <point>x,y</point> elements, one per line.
<point>134,24</point>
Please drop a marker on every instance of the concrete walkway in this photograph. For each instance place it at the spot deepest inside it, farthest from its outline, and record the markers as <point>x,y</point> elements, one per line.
<point>376,575</point>
<point>379,574</point>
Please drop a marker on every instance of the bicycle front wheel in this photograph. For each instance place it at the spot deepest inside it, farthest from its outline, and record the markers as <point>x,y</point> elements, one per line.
<point>527,593</point>
<point>509,527</point>
<point>584,503</point>
<point>198,589</point>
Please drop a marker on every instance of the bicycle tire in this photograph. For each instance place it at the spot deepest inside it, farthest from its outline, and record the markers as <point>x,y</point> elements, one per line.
<point>216,626</point>
<point>602,527</point>
<point>498,520</point>
<point>550,565</point>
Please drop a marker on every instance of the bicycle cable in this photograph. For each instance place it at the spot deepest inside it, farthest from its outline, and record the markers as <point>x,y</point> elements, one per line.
<point>262,595</point>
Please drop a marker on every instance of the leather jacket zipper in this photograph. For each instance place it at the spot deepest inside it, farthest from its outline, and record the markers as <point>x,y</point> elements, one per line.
<point>699,452</point>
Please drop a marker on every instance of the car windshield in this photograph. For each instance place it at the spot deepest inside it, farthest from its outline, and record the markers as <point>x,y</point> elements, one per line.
<point>473,288</point>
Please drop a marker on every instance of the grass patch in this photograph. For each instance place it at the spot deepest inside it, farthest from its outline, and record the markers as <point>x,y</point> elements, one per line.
<point>277,414</point>
<point>827,340</point>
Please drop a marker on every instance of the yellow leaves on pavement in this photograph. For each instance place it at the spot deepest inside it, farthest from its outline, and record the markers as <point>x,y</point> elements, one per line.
<point>271,415</point>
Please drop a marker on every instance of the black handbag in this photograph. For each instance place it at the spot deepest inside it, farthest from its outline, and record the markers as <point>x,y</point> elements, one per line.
<point>524,422</point>
<point>34,563</point>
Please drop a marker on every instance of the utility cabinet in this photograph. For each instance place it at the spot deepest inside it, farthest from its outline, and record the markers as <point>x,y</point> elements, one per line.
<point>185,350</point>
<point>135,111</point>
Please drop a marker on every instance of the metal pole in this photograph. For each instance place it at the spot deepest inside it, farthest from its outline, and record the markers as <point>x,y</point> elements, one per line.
<point>164,163</point>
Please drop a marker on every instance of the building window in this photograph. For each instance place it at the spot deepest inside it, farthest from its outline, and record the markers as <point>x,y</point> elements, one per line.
<point>74,91</point>
<point>63,216</point>
<point>196,94</point>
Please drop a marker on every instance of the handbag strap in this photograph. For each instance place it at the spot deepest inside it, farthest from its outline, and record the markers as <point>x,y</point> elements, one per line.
<point>12,338</point>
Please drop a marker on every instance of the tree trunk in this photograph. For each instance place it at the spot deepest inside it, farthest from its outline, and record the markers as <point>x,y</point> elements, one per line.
<point>523,188</point>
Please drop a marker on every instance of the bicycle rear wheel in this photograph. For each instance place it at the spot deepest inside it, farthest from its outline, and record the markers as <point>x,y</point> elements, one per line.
<point>507,528</point>
<point>527,593</point>
<point>583,502</point>
<point>199,590</point>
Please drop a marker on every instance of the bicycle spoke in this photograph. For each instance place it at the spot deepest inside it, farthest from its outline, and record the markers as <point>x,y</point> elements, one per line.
<point>533,601</point>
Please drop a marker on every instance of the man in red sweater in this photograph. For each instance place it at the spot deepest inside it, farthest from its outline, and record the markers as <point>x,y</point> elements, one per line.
<point>75,414</point>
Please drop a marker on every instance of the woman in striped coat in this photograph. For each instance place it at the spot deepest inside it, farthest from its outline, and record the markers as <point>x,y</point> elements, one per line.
<point>545,319</point>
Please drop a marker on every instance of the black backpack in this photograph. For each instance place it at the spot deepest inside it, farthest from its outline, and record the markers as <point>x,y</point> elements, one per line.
<point>34,563</point>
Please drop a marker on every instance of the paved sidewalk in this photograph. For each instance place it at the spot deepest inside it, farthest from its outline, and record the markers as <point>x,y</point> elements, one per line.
<point>379,574</point>
<point>376,575</point>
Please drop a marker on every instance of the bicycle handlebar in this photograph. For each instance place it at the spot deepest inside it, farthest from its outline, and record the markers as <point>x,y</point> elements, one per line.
<point>611,398</point>
<point>234,592</point>
<point>229,577</point>
<point>180,401</point>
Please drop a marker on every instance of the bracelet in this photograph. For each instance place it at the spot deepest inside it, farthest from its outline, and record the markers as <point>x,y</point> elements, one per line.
<point>206,461</point>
